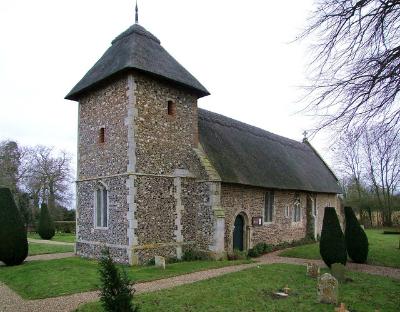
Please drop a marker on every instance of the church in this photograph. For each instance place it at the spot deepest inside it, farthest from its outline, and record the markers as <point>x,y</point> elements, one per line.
<point>157,175</point>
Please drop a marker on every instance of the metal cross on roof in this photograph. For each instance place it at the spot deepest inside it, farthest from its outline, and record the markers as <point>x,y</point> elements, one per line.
<point>305,133</point>
<point>136,14</point>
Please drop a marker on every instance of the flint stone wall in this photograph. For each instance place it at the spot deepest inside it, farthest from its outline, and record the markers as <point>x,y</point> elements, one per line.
<point>165,143</point>
<point>105,107</point>
<point>249,201</point>
<point>169,216</point>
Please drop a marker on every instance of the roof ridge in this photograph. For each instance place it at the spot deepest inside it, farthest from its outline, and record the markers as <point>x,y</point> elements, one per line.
<point>242,126</point>
<point>138,29</point>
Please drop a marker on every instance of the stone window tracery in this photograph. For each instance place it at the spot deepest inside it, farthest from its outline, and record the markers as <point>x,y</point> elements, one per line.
<point>287,211</point>
<point>269,206</point>
<point>296,208</point>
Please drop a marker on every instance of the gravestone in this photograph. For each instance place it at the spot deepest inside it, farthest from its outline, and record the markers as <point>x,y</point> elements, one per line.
<point>328,288</point>
<point>159,262</point>
<point>313,270</point>
<point>342,308</point>
<point>338,270</point>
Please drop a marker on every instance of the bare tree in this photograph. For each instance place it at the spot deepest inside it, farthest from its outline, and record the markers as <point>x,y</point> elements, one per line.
<point>10,158</point>
<point>49,177</point>
<point>370,163</point>
<point>355,78</point>
<point>383,167</point>
<point>350,162</point>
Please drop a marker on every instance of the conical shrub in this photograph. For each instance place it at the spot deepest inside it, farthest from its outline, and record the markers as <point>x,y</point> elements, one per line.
<point>116,293</point>
<point>13,240</point>
<point>332,245</point>
<point>46,228</point>
<point>356,239</point>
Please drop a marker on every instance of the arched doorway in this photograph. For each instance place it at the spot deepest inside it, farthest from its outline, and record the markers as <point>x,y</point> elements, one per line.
<point>238,233</point>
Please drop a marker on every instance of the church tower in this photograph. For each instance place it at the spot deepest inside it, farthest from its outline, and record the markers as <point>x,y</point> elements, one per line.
<point>141,187</point>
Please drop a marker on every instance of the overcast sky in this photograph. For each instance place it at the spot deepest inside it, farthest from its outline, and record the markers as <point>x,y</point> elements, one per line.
<point>241,51</point>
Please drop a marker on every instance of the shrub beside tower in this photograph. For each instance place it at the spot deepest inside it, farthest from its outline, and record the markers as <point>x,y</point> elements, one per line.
<point>332,246</point>
<point>356,239</point>
<point>13,240</point>
<point>116,293</point>
<point>46,228</point>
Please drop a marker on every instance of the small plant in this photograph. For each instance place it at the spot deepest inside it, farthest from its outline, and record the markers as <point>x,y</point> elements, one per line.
<point>332,246</point>
<point>236,255</point>
<point>259,249</point>
<point>195,255</point>
<point>116,293</point>
<point>263,248</point>
<point>46,228</point>
<point>356,239</point>
<point>252,253</point>
<point>13,240</point>
<point>151,262</point>
<point>170,260</point>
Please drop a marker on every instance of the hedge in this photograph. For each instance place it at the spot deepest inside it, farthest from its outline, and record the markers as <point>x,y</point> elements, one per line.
<point>65,226</point>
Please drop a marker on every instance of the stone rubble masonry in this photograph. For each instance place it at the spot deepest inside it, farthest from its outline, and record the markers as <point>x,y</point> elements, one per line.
<point>159,201</point>
<point>164,195</point>
<point>107,162</point>
<point>172,211</point>
<point>249,202</point>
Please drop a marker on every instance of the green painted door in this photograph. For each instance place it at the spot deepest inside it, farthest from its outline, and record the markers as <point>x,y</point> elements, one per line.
<point>238,233</point>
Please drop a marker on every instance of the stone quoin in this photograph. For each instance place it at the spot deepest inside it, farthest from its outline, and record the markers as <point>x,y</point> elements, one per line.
<point>157,175</point>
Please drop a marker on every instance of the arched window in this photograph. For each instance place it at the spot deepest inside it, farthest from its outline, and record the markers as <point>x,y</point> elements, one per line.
<point>296,208</point>
<point>101,206</point>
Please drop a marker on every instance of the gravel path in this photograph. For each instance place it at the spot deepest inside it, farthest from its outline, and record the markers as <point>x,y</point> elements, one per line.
<point>50,256</point>
<point>47,257</point>
<point>10,301</point>
<point>365,268</point>
<point>49,242</point>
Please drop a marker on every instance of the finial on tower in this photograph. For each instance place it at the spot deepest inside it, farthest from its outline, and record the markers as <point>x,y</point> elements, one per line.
<point>136,14</point>
<point>305,134</point>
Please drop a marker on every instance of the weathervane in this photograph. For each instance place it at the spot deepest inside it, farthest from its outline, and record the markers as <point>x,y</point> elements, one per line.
<point>137,14</point>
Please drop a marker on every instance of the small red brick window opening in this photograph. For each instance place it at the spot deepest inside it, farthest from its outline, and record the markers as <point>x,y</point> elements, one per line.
<point>102,135</point>
<point>171,108</point>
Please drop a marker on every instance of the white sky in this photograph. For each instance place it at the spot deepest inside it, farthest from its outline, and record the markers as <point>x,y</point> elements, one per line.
<point>239,50</point>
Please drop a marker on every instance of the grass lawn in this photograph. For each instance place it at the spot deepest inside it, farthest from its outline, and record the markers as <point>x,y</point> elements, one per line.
<point>59,237</point>
<point>43,279</point>
<point>383,249</point>
<point>250,290</point>
<point>40,249</point>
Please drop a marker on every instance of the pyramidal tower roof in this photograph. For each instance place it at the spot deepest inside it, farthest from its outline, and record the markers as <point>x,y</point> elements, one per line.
<point>137,49</point>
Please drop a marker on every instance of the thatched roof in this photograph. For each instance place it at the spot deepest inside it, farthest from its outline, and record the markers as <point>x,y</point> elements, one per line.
<point>137,49</point>
<point>244,154</point>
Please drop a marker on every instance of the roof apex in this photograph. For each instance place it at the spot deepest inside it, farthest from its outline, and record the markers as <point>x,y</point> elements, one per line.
<point>136,29</point>
<point>137,49</point>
